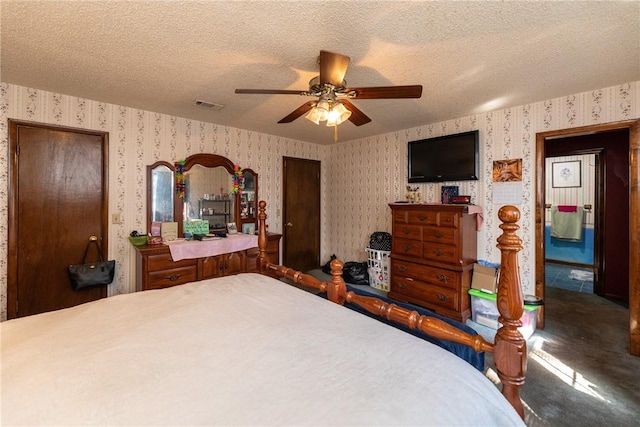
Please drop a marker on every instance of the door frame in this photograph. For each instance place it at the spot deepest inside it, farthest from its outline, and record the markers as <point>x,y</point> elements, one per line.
<point>12,217</point>
<point>634,217</point>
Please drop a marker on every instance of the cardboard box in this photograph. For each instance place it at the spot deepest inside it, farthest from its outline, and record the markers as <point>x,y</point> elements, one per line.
<point>485,279</point>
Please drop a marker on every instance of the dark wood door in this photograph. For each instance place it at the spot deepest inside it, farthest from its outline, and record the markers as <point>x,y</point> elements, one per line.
<point>301,219</point>
<point>58,199</point>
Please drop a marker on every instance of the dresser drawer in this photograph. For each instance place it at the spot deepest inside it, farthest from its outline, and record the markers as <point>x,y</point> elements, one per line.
<point>171,277</point>
<point>446,298</point>
<point>164,262</point>
<point>441,253</point>
<point>442,235</point>
<point>412,248</point>
<point>399,216</point>
<point>423,217</point>
<point>433,275</point>
<point>404,231</point>
<point>449,219</point>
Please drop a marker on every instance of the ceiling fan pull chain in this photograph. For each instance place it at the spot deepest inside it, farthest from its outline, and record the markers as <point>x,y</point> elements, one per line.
<point>335,133</point>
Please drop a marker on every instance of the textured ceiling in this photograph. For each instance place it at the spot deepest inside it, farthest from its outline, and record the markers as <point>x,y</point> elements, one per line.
<point>470,57</point>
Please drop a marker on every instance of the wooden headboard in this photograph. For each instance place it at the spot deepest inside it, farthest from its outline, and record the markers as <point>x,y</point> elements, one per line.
<point>509,348</point>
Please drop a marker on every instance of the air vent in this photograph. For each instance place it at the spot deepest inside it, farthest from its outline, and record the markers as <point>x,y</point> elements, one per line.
<point>209,105</point>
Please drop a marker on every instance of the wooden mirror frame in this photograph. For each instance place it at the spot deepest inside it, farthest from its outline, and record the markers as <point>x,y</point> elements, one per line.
<point>209,161</point>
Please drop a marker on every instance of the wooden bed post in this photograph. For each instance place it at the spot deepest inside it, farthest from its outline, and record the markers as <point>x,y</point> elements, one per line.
<point>510,354</point>
<point>262,237</point>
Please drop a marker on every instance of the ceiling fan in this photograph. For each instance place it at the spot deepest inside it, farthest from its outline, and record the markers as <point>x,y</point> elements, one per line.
<point>333,104</point>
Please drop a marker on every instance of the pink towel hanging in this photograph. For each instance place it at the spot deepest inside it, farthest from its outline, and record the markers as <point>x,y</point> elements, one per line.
<point>567,208</point>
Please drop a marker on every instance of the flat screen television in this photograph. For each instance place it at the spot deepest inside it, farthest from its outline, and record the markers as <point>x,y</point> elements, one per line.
<point>445,158</point>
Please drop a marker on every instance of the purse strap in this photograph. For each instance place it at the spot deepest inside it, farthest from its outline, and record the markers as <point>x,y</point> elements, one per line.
<point>92,239</point>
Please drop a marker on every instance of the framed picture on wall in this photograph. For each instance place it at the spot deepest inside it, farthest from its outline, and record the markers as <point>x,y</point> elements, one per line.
<point>566,174</point>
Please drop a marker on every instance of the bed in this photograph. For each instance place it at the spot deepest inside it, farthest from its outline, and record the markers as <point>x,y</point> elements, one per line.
<point>253,350</point>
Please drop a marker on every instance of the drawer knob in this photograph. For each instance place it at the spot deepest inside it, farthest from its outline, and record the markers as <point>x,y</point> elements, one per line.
<point>437,252</point>
<point>438,235</point>
<point>406,247</point>
<point>402,268</point>
<point>174,277</point>
<point>443,278</point>
<point>422,217</point>
<point>402,285</point>
<point>443,297</point>
<point>406,231</point>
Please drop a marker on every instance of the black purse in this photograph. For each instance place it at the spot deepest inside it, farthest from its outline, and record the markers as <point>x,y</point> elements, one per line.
<point>89,275</point>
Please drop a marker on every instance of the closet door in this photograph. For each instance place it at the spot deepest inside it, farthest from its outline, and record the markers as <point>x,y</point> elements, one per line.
<point>301,219</point>
<point>58,199</point>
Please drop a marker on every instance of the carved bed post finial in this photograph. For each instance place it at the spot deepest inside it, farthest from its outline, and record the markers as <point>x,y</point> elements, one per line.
<point>337,290</point>
<point>510,347</point>
<point>262,236</point>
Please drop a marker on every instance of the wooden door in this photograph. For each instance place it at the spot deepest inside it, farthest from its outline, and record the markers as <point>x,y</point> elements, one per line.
<point>58,199</point>
<point>301,219</point>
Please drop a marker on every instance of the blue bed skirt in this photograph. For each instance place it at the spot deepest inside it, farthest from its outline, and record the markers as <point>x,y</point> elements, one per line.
<point>464,352</point>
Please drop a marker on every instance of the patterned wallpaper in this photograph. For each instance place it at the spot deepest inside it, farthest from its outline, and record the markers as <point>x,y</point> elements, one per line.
<point>359,177</point>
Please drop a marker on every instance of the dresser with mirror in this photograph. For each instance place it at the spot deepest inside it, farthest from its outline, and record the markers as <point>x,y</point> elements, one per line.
<point>203,187</point>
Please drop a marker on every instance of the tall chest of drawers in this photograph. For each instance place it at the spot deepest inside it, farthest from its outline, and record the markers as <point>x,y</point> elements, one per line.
<point>433,250</point>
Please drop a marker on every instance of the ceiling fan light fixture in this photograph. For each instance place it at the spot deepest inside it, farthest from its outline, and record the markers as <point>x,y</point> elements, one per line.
<point>320,112</point>
<point>323,106</point>
<point>338,114</point>
<point>313,116</point>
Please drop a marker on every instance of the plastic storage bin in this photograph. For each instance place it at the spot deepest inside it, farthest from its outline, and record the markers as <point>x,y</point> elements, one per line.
<point>484,311</point>
<point>378,268</point>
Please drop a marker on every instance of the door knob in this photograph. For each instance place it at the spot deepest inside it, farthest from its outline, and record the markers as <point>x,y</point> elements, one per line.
<point>288,224</point>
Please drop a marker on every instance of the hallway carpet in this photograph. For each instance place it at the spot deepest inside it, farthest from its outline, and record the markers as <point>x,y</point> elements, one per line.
<point>579,370</point>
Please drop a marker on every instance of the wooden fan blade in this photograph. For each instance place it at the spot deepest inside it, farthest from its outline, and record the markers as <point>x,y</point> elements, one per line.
<point>386,92</point>
<point>272,91</point>
<point>333,67</point>
<point>357,117</point>
<point>298,112</point>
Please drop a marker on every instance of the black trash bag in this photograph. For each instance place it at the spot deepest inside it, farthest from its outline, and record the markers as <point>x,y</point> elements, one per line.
<point>327,267</point>
<point>355,273</point>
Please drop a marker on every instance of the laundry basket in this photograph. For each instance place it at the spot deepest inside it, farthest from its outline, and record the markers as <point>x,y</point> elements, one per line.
<point>378,268</point>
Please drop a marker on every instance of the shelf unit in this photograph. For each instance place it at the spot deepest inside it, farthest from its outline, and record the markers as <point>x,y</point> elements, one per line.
<point>217,212</point>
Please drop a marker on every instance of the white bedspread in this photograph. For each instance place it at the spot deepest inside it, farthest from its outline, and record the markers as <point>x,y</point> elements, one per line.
<point>242,350</point>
